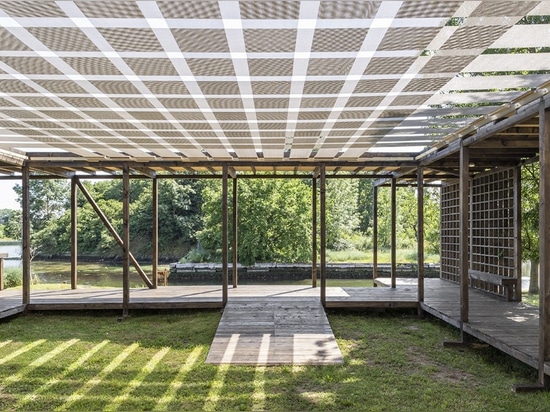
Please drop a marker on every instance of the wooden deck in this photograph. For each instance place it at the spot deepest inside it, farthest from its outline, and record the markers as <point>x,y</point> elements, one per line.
<point>511,327</point>
<point>274,331</point>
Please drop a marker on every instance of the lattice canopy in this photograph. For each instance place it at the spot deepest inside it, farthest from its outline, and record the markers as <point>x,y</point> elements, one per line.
<point>259,80</point>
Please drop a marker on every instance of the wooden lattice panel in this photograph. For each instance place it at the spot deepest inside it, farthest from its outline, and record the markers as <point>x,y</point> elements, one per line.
<point>450,231</point>
<point>491,226</point>
<point>492,217</point>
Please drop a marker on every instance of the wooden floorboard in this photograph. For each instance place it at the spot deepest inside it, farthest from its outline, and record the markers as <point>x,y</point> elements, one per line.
<point>274,331</point>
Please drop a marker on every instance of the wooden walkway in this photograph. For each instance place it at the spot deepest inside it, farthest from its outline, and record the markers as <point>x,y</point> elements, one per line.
<point>512,327</point>
<point>274,331</point>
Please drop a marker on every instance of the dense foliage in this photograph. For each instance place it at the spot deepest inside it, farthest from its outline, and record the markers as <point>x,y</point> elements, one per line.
<point>274,218</point>
<point>179,219</point>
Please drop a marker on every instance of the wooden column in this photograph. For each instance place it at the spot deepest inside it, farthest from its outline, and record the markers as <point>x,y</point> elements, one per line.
<point>125,240</point>
<point>517,232</point>
<point>225,233</point>
<point>2,256</point>
<point>74,234</point>
<point>323,235</point>
<point>155,237</point>
<point>420,244</point>
<point>393,232</point>
<point>544,241</point>
<point>235,244</point>
<point>375,234</point>
<point>464,232</point>
<point>26,236</point>
<point>314,232</point>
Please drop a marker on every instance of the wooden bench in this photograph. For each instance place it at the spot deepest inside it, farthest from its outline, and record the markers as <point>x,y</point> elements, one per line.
<point>162,276</point>
<point>508,283</point>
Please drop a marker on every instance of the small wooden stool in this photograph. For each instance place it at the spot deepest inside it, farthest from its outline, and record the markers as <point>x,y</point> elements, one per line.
<point>162,276</point>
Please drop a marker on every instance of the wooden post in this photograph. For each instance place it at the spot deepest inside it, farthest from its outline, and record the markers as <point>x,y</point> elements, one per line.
<point>155,240</point>
<point>225,232</point>
<point>74,234</point>
<point>544,241</point>
<point>517,232</point>
<point>2,256</point>
<point>323,216</point>
<point>125,240</point>
<point>393,232</point>
<point>375,235</point>
<point>420,244</point>
<point>235,244</point>
<point>314,232</point>
<point>26,236</point>
<point>464,234</point>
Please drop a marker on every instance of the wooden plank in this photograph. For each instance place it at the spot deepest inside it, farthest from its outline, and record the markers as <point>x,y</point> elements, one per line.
<point>274,331</point>
<point>225,233</point>
<point>74,234</point>
<point>544,236</point>
<point>155,237</point>
<point>26,235</point>
<point>393,258</point>
<point>235,224</point>
<point>323,217</point>
<point>420,231</point>
<point>464,185</point>
<point>375,233</point>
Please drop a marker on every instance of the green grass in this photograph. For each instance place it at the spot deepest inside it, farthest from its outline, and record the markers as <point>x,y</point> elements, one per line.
<point>155,361</point>
<point>384,256</point>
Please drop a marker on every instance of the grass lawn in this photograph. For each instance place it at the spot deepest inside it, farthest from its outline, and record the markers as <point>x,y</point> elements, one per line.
<point>155,361</point>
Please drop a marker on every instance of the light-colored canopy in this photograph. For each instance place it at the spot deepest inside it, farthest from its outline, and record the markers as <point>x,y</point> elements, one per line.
<point>259,80</point>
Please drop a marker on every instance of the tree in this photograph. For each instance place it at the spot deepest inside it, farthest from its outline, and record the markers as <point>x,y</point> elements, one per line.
<point>10,221</point>
<point>179,216</point>
<point>274,220</point>
<point>342,219</point>
<point>49,199</point>
<point>530,222</point>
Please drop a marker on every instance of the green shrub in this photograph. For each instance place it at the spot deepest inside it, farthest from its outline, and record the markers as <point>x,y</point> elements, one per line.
<point>12,277</point>
<point>196,256</point>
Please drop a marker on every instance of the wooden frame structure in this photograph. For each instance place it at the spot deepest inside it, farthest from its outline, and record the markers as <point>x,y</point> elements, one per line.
<point>292,90</point>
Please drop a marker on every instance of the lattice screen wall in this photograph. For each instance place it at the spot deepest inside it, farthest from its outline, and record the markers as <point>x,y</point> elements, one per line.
<point>491,244</point>
<point>449,232</point>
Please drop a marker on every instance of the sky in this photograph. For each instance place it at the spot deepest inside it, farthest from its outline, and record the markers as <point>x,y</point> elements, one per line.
<point>8,198</point>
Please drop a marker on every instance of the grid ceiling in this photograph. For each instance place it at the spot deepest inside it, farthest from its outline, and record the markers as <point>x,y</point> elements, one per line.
<point>255,80</point>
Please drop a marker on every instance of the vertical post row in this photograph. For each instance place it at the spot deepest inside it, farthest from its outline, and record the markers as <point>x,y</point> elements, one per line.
<point>544,235</point>
<point>155,240</point>
<point>517,232</point>
<point>420,240</point>
<point>375,234</point>
<point>314,232</point>
<point>74,234</point>
<point>323,234</point>
<point>463,236</point>
<point>26,235</point>
<point>125,240</point>
<point>235,245</point>
<point>225,232</point>
<point>393,232</point>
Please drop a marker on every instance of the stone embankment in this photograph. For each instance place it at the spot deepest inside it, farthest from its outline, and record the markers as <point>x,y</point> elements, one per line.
<point>202,272</point>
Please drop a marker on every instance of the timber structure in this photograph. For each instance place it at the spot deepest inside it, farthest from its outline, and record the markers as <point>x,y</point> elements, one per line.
<point>454,94</point>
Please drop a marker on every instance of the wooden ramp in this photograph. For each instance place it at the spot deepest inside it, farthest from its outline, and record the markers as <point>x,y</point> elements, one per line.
<point>274,331</point>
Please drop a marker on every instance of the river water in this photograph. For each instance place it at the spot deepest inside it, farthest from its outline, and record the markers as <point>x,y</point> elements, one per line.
<point>14,255</point>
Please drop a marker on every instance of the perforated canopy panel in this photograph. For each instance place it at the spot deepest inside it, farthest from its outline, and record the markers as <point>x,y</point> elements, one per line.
<point>259,80</point>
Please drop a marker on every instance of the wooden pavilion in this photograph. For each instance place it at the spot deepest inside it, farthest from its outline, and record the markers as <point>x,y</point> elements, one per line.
<point>404,92</point>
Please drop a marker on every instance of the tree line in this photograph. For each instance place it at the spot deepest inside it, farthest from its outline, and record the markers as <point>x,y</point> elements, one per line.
<point>274,218</point>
